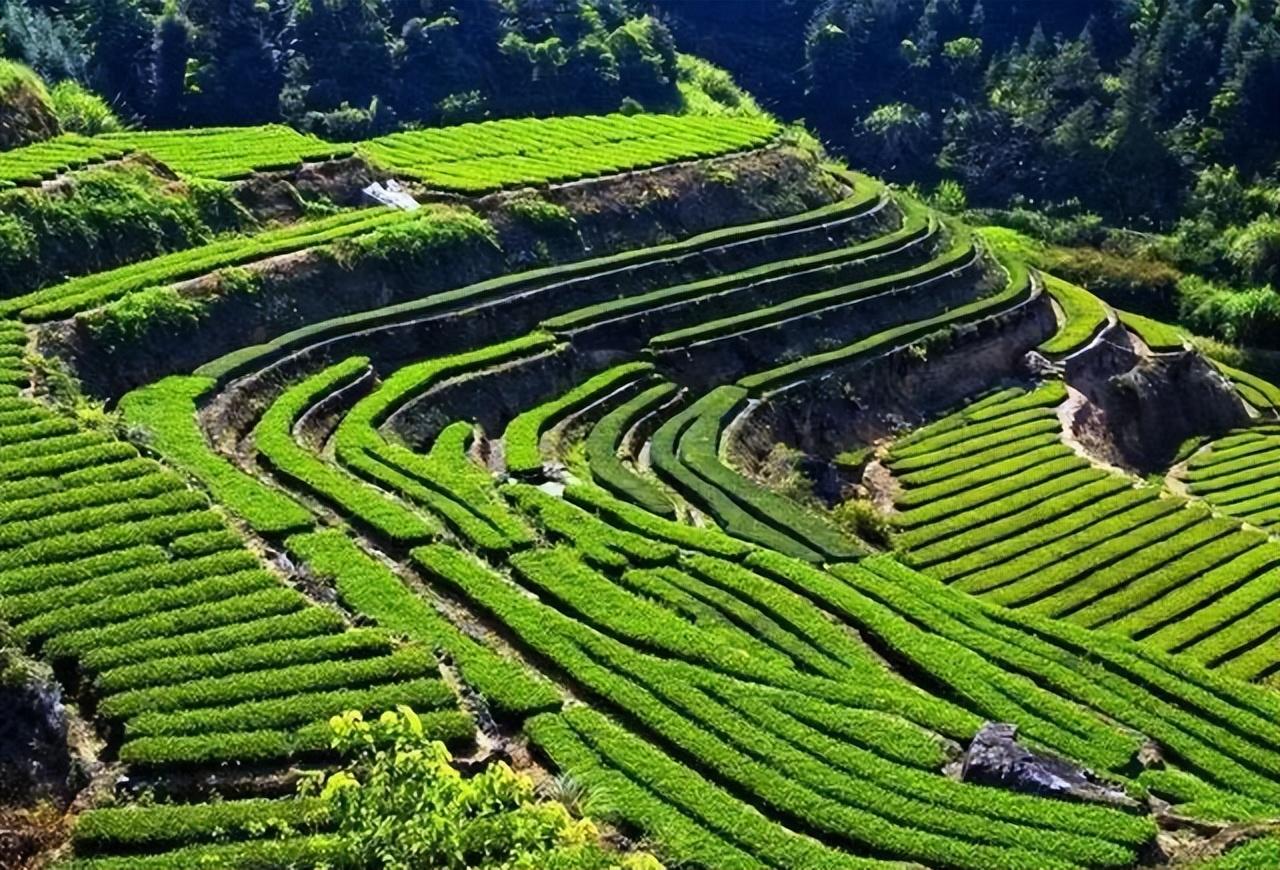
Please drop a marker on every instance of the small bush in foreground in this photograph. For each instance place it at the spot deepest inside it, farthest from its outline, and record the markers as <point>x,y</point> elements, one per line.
<point>394,773</point>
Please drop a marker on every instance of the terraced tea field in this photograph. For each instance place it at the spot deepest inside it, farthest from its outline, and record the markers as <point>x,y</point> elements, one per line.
<point>527,507</point>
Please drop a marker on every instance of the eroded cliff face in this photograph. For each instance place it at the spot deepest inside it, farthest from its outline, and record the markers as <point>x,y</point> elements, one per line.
<point>1127,407</point>
<point>1133,408</point>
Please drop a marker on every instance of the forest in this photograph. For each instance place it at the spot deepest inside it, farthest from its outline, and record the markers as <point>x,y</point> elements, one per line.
<point>1139,139</point>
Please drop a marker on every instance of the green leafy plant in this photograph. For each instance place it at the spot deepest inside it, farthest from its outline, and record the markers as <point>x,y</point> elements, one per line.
<point>82,111</point>
<point>864,520</point>
<point>399,804</point>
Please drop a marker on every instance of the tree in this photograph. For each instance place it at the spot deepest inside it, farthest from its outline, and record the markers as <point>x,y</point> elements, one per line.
<point>237,76</point>
<point>342,54</point>
<point>902,134</point>
<point>119,34</point>
<point>1140,177</point>
<point>646,61</point>
<point>50,45</point>
<point>399,804</point>
<point>169,69</point>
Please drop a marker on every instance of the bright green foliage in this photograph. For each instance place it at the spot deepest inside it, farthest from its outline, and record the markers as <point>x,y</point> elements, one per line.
<point>598,541</point>
<point>692,817</point>
<point>1084,316</point>
<point>179,669</point>
<point>1160,337</point>
<point>443,481</point>
<point>82,111</point>
<point>254,855</point>
<point>178,824</point>
<point>686,451</point>
<point>623,514</point>
<point>406,663</point>
<point>166,411</point>
<point>90,291</point>
<point>475,158</point>
<point>605,441</point>
<point>732,517</point>
<point>1258,392</point>
<point>274,437</point>
<point>1236,474</point>
<point>1195,797</point>
<point>372,589</point>
<point>32,164</point>
<point>228,153</point>
<point>958,256</point>
<point>1261,852</point>
<point>308,742</point>
<point>993,504</point>
<point>521,440</point>
<point>1184,713</point>
<point>727,694</point>
<point>256,629</point>
<point>395,772</point>
<point>303,710</point>
<point>745,289</point>
<point>607,272</point>
<point>667,699</point>
<point>1017,290</point>
<point>699,450</point>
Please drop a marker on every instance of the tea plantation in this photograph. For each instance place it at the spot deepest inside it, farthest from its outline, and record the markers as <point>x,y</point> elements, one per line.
<point>510,460</point>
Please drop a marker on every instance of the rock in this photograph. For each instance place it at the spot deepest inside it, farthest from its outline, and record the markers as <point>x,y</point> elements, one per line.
<point>1139,409</point>
<point>35,761</point>
<point>996,758</point>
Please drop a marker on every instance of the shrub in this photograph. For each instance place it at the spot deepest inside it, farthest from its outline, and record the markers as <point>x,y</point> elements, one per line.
<point>274,437</point>
<point>949,196</point>
<point>1140,283</point>
<point>1249,316</point>
<point>539,215</point>
<point>706,89</point>
<point>523,452</point>
<point>129,319</point>
<point>862,519</point>
<point>167,411</point>
<point>1085,317</point>
<point>395,770</point>
<point>373,590</point>
<point>81,111</point>
<point>418,241</point>
<point>1255,251</point>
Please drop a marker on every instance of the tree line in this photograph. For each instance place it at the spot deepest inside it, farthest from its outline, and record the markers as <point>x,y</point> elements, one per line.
<point>1148,130</point>
<point>346,68</point>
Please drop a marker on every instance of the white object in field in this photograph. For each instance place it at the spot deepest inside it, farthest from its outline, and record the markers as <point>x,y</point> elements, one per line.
<point>391,194</point>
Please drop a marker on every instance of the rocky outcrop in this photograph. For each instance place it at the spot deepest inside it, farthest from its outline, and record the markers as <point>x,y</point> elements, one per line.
<point>1137,408</point>
<point>35,760</point>
<point>26,115</point>
<point>996,758</point>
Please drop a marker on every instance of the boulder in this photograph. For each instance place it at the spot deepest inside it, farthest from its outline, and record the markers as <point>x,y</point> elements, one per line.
<point>996,758</point>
